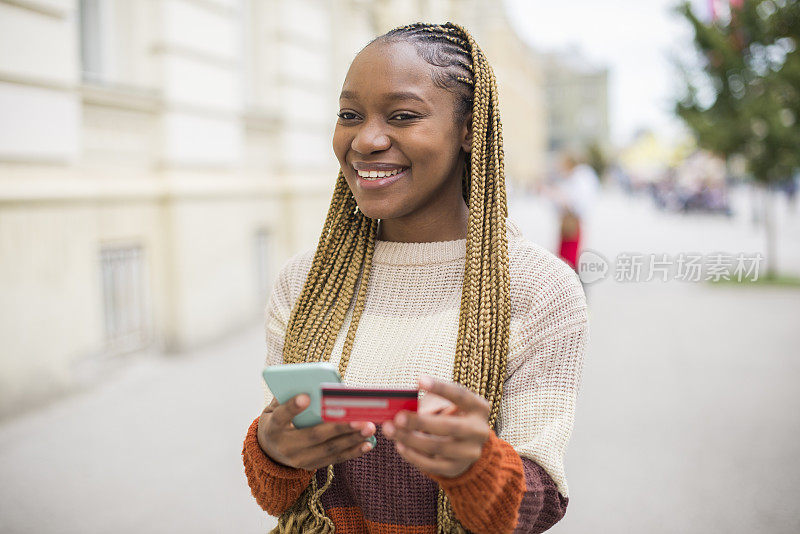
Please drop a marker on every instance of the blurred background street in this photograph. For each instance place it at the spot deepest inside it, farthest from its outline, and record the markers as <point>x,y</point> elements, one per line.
<point>161,159</point>
<point>686,421</point>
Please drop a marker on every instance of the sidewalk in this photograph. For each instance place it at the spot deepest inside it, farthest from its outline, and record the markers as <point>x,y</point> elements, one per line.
<point>687,419</point>
<point>156,448</point>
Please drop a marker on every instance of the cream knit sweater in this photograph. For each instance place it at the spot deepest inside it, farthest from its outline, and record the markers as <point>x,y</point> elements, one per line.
<point>410,324</point>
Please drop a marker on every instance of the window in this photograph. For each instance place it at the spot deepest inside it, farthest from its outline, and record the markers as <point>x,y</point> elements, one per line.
<point>116,40</point>
<point>263,253</point>
<point>125,306</point>
<point>94,44</point>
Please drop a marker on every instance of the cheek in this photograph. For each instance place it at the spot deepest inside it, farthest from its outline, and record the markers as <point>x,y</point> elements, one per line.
<point>433,146</point>
<point>439,151</point>
<point>340,143</point>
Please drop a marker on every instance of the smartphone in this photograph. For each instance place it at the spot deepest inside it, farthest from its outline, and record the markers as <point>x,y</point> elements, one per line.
<point>290,379</point>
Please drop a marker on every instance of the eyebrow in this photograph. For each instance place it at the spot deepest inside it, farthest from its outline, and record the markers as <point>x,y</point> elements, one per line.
<point>389,97</point>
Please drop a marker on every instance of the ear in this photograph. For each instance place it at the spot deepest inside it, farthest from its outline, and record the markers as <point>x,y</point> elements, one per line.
<point>465,134</point>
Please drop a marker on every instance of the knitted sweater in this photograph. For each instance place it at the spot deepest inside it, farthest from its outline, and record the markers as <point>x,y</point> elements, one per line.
<point>409,327</point>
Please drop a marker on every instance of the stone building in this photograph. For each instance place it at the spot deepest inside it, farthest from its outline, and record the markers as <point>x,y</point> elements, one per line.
<point>576,94</point>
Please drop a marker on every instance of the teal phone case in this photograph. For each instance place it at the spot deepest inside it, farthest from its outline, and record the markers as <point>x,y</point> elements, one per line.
<point>290,379</point>
<point>287,380</point>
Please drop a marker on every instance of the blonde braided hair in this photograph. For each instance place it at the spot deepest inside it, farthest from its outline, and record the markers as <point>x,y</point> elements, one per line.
<point>342,262</point>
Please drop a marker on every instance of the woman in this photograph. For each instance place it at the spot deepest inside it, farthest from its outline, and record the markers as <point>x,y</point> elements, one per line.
<point>418,272</point>
<point>574,195</point>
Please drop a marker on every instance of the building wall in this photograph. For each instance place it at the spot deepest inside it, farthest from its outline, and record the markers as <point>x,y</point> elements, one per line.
<point>520,87</point>
<point>577,102</point>
<point>194,132</point>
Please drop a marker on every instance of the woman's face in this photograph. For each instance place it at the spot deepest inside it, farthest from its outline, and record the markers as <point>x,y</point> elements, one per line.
<point>397,139</point>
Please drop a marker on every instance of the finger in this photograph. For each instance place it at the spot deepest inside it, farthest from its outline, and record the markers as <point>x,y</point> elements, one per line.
<point>323,432</point>
<point>458,394</point>
<point>433,403</point>
<point>450,410</point>
<point>337,450</point>
<point>447,410</point>
<point>459,427</point>
<point>272,405</point>
<point>284,413</point>
<point>437,466</point>
<point>427,444</point>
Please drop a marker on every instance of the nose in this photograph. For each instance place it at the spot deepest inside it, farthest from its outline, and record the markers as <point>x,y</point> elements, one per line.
<point>371,137</point>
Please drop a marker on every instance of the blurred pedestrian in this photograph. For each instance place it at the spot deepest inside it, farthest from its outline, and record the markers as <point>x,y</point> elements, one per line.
<point>574,194</point>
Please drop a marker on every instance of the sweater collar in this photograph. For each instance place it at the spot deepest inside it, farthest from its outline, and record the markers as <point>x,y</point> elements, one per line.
<point>398,253</point>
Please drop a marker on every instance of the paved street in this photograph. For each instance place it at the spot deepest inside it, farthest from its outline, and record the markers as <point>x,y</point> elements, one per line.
<point>688,415</point>
<point>154,449</point>
<point>687,420</point>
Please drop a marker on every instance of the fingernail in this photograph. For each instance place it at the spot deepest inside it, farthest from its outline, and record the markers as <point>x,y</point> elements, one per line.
<point>400,447</point>
<point>367,430</point>
<point>425,381</point>
<point>302,401</point>
<point>366,447</point>
<point>354,424</point>
<point>388,429</point>
<point>401,419</point>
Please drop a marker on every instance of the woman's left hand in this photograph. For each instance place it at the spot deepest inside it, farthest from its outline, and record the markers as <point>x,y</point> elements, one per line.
<point>446,442</point>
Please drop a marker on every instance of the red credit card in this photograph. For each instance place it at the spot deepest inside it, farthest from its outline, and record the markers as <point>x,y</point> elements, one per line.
<point>341,403</point>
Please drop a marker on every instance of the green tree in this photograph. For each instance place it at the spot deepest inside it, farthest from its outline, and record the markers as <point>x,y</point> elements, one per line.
<point>743,93</point>
<point>597,159</point>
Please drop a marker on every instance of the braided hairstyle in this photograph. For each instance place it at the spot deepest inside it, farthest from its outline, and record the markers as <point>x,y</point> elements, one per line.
<point>343,258</point>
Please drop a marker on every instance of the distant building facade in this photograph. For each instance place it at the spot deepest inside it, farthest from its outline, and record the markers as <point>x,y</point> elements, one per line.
<point>160,159</point>
<point>576,96</point>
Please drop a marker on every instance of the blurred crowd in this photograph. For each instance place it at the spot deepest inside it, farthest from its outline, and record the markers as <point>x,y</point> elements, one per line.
<point>683,181</point>
<point>700,185</point>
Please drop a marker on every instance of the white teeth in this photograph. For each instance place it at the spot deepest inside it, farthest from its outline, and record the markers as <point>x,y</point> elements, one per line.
<point>377,174</point>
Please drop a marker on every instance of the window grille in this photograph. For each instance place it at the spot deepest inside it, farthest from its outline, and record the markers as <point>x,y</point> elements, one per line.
<point>125,306</point>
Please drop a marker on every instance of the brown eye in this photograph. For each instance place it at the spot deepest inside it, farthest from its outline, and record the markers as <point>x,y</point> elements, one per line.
<point>403,116</point>
<point>346,115</point>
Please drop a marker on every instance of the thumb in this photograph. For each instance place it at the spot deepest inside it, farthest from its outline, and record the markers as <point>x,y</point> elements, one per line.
<point>284,413</point>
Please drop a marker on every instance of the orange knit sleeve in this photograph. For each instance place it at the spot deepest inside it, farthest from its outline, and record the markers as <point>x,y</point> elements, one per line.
<point>487,496</point>
<point>276,487</point>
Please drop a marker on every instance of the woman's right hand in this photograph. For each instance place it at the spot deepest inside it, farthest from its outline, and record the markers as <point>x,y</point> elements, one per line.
<point>313,447</point>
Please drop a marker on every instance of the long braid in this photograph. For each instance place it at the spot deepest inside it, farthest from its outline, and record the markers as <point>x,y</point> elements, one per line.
<point>344,253</point>
<point>343,259</point>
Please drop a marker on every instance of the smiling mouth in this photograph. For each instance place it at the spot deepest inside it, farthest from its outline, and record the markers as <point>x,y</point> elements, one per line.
<point>376,175</point>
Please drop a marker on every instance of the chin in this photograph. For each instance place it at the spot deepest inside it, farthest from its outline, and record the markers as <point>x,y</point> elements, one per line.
<point>380,210</point>
<point>376,212</point>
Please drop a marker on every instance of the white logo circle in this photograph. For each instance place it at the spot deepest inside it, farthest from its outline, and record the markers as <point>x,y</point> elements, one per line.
<point>592,267</point>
